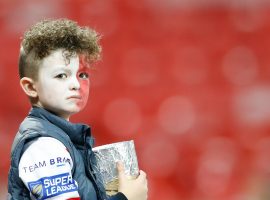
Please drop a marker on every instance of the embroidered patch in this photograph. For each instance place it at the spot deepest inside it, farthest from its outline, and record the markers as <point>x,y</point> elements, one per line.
<point>47,187</point>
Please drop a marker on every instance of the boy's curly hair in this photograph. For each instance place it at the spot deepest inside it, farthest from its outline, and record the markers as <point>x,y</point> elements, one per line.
<point>49,35</point>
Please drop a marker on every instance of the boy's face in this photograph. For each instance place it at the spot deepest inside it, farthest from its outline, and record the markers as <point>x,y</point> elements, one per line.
<point>62,87</point>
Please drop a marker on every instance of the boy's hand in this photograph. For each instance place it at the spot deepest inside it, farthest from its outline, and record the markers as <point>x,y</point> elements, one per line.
<point>133,189</point>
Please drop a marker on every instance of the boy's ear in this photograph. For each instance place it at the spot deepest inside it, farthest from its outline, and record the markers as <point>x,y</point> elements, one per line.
<point>28,87</point>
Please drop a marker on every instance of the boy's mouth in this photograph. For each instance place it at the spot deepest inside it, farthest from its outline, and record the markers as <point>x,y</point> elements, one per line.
<point>75,97</point>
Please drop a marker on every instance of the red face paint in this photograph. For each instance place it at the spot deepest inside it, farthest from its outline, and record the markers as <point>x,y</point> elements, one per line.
<point>83,78</point>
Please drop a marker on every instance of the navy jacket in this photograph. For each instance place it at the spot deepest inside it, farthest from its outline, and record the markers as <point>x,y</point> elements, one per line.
<point>77,139</point>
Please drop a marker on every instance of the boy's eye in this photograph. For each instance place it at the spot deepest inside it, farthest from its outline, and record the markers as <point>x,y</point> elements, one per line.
<point>84,75</point>
<point>61,76</point>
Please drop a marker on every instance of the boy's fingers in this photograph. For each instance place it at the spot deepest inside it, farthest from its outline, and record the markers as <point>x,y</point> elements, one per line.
<point>142,174</point>
<point>120,168</point>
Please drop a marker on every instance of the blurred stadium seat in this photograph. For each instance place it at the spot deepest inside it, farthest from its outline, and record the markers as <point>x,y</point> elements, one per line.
<point>187,80</point>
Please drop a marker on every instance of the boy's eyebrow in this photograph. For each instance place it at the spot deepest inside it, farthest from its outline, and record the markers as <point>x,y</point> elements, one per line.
<point>62,68</point>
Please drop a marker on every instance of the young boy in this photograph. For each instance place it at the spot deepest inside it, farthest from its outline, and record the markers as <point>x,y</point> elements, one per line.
<point>52,158</point>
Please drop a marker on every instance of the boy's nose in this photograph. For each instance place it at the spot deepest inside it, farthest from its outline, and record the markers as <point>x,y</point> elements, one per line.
<point>75,84</point>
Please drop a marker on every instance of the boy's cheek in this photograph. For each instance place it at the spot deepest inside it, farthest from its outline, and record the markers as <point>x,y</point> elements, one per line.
<point>85,85</point>
<point>84,91</point>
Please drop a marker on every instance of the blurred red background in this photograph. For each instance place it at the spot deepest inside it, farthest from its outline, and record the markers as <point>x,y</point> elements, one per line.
<point>187,80</point>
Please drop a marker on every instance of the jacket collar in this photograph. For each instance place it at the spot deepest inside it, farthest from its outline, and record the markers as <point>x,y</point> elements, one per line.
<point>79,134</point>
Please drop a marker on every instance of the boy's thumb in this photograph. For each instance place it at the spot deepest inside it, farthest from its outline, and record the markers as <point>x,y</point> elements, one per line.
<point>120,169</point>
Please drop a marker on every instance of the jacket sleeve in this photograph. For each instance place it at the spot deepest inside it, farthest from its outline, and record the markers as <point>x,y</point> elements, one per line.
<point>45,169</point>
<point>118,196</point>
